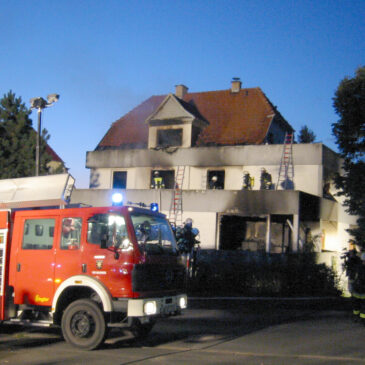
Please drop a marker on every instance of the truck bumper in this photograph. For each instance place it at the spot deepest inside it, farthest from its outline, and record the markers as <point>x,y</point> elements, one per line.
<point>157,306</point>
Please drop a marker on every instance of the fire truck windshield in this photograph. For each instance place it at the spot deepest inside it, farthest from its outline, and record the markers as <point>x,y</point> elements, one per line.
<point>154,234</point>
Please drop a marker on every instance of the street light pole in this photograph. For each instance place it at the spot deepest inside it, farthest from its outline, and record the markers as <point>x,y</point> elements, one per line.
<point>37,152</point>
<point>39,103</point>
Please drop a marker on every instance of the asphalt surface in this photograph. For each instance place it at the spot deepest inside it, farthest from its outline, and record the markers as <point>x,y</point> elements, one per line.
<point>213,331</point>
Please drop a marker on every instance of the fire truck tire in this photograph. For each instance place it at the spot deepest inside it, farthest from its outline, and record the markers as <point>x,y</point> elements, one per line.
<point>140,330</point>
<point>83,324</point>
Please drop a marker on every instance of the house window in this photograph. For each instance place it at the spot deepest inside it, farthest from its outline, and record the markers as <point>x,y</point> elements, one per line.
<point>215,179</point>
<point>169,137</point>
<point>162,179</point>
<point>119,179</point>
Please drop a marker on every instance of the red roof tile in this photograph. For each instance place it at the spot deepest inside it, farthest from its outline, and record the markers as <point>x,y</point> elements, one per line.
<point>131,131</point>
<point>53,154</point>
<point>234,118</point>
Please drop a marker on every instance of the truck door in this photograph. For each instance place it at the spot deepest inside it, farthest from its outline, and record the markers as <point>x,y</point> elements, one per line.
<point>108,253</point>
<point>68,259</point>
<point>35,261</point>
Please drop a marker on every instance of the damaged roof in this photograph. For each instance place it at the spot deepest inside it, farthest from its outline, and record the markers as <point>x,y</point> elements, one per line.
<point>234,118</point>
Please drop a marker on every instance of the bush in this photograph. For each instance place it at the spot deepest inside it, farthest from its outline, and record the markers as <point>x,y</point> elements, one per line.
<point>227,274</point>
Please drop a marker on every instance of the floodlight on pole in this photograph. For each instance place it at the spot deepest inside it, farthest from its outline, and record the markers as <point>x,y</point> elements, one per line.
<point>39,103</point>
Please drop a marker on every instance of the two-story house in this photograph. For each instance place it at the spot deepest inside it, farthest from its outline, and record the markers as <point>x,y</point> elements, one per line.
<point>211,150</point>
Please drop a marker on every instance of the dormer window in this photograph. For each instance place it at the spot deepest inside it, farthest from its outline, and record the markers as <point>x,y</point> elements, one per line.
<point>169,137</point>
<point>175,123</point>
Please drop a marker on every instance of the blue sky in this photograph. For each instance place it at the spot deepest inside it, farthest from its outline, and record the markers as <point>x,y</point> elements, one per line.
<point>106,57</point>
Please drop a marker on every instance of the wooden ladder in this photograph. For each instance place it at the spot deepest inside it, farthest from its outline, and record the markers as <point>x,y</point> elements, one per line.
<point>286,170</point>
<point>175,214</point>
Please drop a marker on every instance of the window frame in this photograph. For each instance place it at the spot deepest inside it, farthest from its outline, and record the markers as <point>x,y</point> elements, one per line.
<point>177,138</point>
<point>123,181</point>
<point>33,240</point>
<point>67,243</point>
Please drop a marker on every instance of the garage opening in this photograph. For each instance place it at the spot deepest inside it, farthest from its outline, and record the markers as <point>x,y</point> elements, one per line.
<point>249,233</point>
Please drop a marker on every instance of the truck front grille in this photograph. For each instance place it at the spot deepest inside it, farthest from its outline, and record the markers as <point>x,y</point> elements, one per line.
<point>147,277</point>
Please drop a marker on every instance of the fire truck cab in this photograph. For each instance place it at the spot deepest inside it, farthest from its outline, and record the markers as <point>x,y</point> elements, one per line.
<point>88,269</point>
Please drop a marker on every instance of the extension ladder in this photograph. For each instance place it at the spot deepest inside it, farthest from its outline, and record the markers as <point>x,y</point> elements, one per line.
<point>175,214</point>
<point>286,170</point>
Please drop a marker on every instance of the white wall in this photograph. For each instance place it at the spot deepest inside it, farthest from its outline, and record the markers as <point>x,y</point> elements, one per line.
<point>308,162</point>
<point>198,178</point>
<point>100,178</point>
<point>137,178</point>
<point>206,222</point>
<point>307,178</point>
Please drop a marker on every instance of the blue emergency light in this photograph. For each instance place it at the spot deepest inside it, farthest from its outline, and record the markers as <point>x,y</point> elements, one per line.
<point>154,207</point>
<point>117,199</point>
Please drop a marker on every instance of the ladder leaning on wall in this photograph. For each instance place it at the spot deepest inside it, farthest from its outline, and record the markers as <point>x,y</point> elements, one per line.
<point>286,170</point>
<point>175,214</point>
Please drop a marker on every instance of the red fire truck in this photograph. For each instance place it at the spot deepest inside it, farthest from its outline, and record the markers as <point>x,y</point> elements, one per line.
<point>87,269</point>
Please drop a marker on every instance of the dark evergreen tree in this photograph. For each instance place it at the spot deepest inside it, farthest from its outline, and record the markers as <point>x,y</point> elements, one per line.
<point>349,130</point>
<point>306,135</point>
<point>18,140</point>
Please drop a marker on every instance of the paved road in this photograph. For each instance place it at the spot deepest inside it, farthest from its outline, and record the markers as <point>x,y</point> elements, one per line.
<point>240,333</point>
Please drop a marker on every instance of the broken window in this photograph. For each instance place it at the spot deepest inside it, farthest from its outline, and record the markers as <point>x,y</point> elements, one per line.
<point>169,137</point>
<point>119,180</point>
<point>215,179</point>
<point>232,232</point>
<point>249,233</point>
<point>163,179</point>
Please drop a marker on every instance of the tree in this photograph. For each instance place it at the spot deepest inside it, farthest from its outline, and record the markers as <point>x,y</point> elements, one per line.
<point>306,135</point>
<point>349,131</point>
<point>18,140</point>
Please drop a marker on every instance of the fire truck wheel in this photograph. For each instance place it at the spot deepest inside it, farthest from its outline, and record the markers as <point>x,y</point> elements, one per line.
<point>140,330</point>
<point>83,324</point>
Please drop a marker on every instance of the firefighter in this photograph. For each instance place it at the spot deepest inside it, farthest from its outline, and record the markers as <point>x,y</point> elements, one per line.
<point>265,180</point>
<point>247,181</point>
<point>186,236</point>
<point>355,271</point>
<point>68,226</point>
<point>157,181</point>
<point>70,233</point>
<point>359,290</point>
<point>213,183</point>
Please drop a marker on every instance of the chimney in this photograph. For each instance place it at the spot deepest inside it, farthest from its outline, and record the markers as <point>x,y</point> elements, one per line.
<point>236,85</point>
<point>181,91</point>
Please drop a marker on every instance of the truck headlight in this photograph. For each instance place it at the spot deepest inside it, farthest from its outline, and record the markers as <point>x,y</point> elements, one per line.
<point>150,307</point>
<point>182,302</point>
